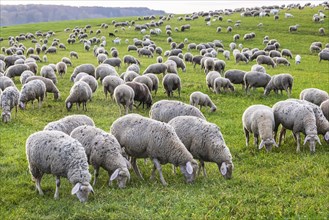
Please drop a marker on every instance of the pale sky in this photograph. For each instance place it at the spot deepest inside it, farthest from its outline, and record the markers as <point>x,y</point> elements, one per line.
<point>173,6</point>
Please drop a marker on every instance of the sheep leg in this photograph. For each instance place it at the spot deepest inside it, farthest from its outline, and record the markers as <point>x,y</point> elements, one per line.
<point>282,135</point>
<point>158,167</point>
<point>58,184</point>
<point>174,169</point>
<point>96,173</point>
<point>203,168</point>
<point>135,167</point>
<point>256,139</point>
<point>298,142</point>
<point>246,133</point>
<point>153,172</point>
<point>38,185</point>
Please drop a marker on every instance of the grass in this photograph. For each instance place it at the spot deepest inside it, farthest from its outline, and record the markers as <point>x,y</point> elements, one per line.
<point>278,184</point>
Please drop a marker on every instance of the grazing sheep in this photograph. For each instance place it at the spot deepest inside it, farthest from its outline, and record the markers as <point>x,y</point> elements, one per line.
<point>86,68</point>
<point>51,49</point>
<point>209,65</point>
<point>61,68</point>
<point>180,63</point>
<point>142,93</point>
<point>298,118</point>
<point>74,54</point>
<point>314,95</point>
<point>235,76</point>
<point>69,123</point>
<point>280,82</point>
<point>110,83</point>
<point>165,110</point>
<point>315,49</point>
<point>240,57</point>
<point>128,59</point>
<point>324,55</point>
<point>286,53</point>
<point>256,79</point>
<point>263,59</point>
<point>30,91</point>
<point>16,70</point>
<point>258,68</point>
<point>321,31</point>
<point>56,153</point>
<point>133,67</point>
<point>124,95</point>
<point>259,120</point>
<point>170,83</point>
<point>224,83</point>
<point>142,137</point>
<point>26,74</point>
<point>6,82</point>
<point>282,60</point>
<point>159,59</point>
<point>103,150</point>
<point>50,86</point>
<point>325,108</point>
<point>145,80</point>
<point>115,62</point>
<point>205,142</point>
<point>171,66</point>
<point>145,52</point>
<point>129,76</point>
<point>91,81</point>
<point>101,58</point>
<point>9,99</point>
<point>79,93</point>
<point>293,28</point>
<point>226,54</point>
<point>201,99</point>
<point>298,59</point>
<point>67,61</point>
<point>104,70</point>
<point>256,54</point>
<point>210,78</point>
<point>131,47</point>
<point>156,68</point>
<point>155,82</point>
<point>48,72</point>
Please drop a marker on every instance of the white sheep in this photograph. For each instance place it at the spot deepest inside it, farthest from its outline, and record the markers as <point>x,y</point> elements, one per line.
<point>124,95</point>
<point>110,83</point>
<point>201,99</point>
<point>256,79</point>
<point>224,83</point>
<point>54,152</point>
<point>314,95</point>
<point>280,82</point>
<point>8,99</point>
<point>170,83</point>
<point>48,72</point>
<point>79,93</point>
<point>297,59</point>
<point>35,89</point>
<point>50,86</point>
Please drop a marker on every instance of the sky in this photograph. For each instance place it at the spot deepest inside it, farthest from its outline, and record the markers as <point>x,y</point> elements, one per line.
<point>169,6</point>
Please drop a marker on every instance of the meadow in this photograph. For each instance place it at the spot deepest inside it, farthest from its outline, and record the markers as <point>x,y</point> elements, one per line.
<point>265,185</point>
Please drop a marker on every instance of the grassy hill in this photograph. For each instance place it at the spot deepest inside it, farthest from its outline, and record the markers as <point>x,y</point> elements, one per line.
<point>276,184</point>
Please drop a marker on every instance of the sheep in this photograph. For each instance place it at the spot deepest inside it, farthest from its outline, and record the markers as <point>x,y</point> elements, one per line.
<point>255,79</point>
<point>16,70</point>
<point>286,52</point>
<point>144,52</point>
<point>101,58</point>
<point>180,63</point>
<point>61,68</point>
<point>142,137</point>
<point>30,91</point>
<point>110,83</point>
<point>51,49</point>
<point>103,150</point>
<point>104,70</point>
<point>156,68</point>
<point>259,120</point>
<point>128,59</point>
<point>131,47</point>
<point>263,59</point>
<point>235,76</point>
<point>6,82</point>
<point>129,76</point>
<point>256,54</point>
<point>323,55</point>
<point>240,57</point>
<point>321,31</point>
<point>69,123</point>
<point>115,62</point>
<point>297,59</point>
<point>159,59</point>
<point>133,67</point>
<point>155,82</point>
<point>67,61</point>
<point>298,118</point>
<point>201,99</point>
<point>258,68</point>
<point>210,78</point>
<point>314,95</point>
<point>142,93</point>
<point>226,54</point>
<point>205,142</point>
<point>171,66</point>
<point>86,68</point>
<point>79,93</point>
<point>91,81</point>
<point>281,60</point>
<point>315,48</point>
<point>165,110</point>
<point>280,82</point>
<point>9,99</point>
<point>146,80</point>
<point>170,83</point>
<point>50,86</point>
<point>224,83</point>
<point>219,66</point>
<point>209,65</point>
<point>325,108</point>
<point>56,153</point>
<point>293,28</point>
<point>48,72</point>
<point>26,74</point>
<point>124,95</point>
<point>74,54</point>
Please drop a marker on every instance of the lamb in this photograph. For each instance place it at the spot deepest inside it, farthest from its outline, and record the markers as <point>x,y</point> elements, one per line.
<point>26,74</point>
<point>256,79</point>
<point>325,108</point>
<point>61,68</point>
<point>259,120</point>
<point>142,137</point>
<point>50,86</point>
<point>9,99</point>
<point>57,153</point>
<point>16,70</point>
<point>286,53</point>
<point>155,82</point>
<point>156,68</point>
<point>79,93</point>
<point>323,55</point>
<point>170,83</point>
<point>224,83</point>
<point>6,82</point>
<point>30,91</point>
<point>145,80</point>
<point>280,82</point>
<point>205,142</point>
<point>115,62</point>
<point>74,54</point>
<point>281,60</point>
<point>298,118</point>
<point>201,99</point>
<point>210,78</point>
<point>110,83</point>
<point>314,95</point>
<point>103,150</point>
<point>142,93</point>
<point>180,63</point>
<point>235,76</point>
<point>298,59</point>
<point>165,110</point>
<point>104,70</point>
<point>48,72</point>
<point>124,95</point>
<point>263,59</point>
<point>69,123</point>
<point>86,68</point>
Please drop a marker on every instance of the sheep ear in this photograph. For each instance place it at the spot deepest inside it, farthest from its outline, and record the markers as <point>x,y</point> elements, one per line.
<point>114,175</point>
<point>189,168</point>
<point>223,169</point>
<point>318,139</point>
<point>128,163</point>
<point>306,139</point>
<point>261,145</point>
<point>76,188</point>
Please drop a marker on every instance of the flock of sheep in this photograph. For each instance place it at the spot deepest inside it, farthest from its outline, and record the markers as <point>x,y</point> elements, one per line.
<point>175,132</point>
